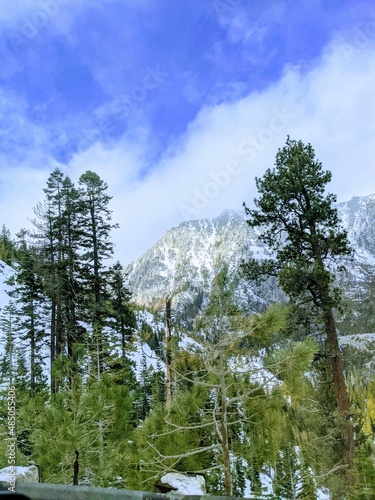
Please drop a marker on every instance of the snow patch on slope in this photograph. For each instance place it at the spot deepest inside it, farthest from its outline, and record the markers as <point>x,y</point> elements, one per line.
<point>6,272</point>
<point>185,485</point>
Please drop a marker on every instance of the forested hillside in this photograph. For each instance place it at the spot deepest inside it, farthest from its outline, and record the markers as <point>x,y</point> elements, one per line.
<point>186,361</point>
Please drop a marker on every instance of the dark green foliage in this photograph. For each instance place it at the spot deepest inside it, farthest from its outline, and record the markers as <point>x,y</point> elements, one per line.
<point>123,322</point>
<point>73,233</point>
<point>8,251</point>
<point>307,490</point>
<point>58,236</point>
<point>95,241</point>
<point>145,390</point>
<point>238,477</point>
<point>299,224</point>
<point>95,226</point>
<point>301,227</point>
<point>174,438</point>
<point>8,360</point>
<point>365,489</point>
<point>29,293</point>
<point>151,392</point>
<point>158,385</point>
<point>96,420</point>
<point>286,473</point>
<point>254,473</point>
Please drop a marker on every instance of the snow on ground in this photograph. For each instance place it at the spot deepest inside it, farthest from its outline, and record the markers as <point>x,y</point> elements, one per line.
<point>254,367</point>
<point>23,474</point>
<point>323,494</point>
<point>136,356</point>
<point>185,485</point>
<point>358,340</point>
<point>266,481</point>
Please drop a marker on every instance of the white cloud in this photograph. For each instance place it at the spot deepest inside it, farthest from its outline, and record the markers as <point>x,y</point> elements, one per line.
<point>21,190</point>
<point>332,106</point>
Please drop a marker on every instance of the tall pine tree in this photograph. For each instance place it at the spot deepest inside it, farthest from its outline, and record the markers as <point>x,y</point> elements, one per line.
<point>301,226</point>
<point>96,226</point>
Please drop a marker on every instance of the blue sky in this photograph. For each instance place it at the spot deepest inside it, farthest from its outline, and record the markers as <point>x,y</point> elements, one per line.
<point>179,104</point>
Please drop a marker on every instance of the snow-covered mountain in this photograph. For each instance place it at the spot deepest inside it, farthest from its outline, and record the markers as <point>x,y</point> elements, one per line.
<point>184,261</point>
<point>358,218</point>
<point>358,283</point>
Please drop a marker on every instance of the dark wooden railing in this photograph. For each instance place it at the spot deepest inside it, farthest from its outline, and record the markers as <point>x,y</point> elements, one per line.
<point>44,491</point>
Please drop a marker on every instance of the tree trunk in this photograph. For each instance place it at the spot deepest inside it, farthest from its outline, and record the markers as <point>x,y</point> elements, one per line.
<point>75,469</point>
<point>224,430</point>
<point>32,347</point>
<point>53,346</point>
<point>168,352</point>
<point>342,398</point>
<point>97,323</point>
<point>123,339</point>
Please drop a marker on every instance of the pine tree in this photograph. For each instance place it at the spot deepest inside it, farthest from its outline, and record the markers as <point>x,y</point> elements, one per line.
<point>301,226</point>
<point>95,419</point>
<point>362,391</point>
<point>50,232</point>
<point>238,475</point>
<point>95,224</point>
<point>158,385</point>
<point>8,360</point>
<point>59,238</point>
<point>144,398</point>
<point>287,473</point>
<point>8,252</point>
<point>365,487</point>
<point>28,292</point>
<point>307,490</point>
<point>124,321</point>
<point>71,288</point>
